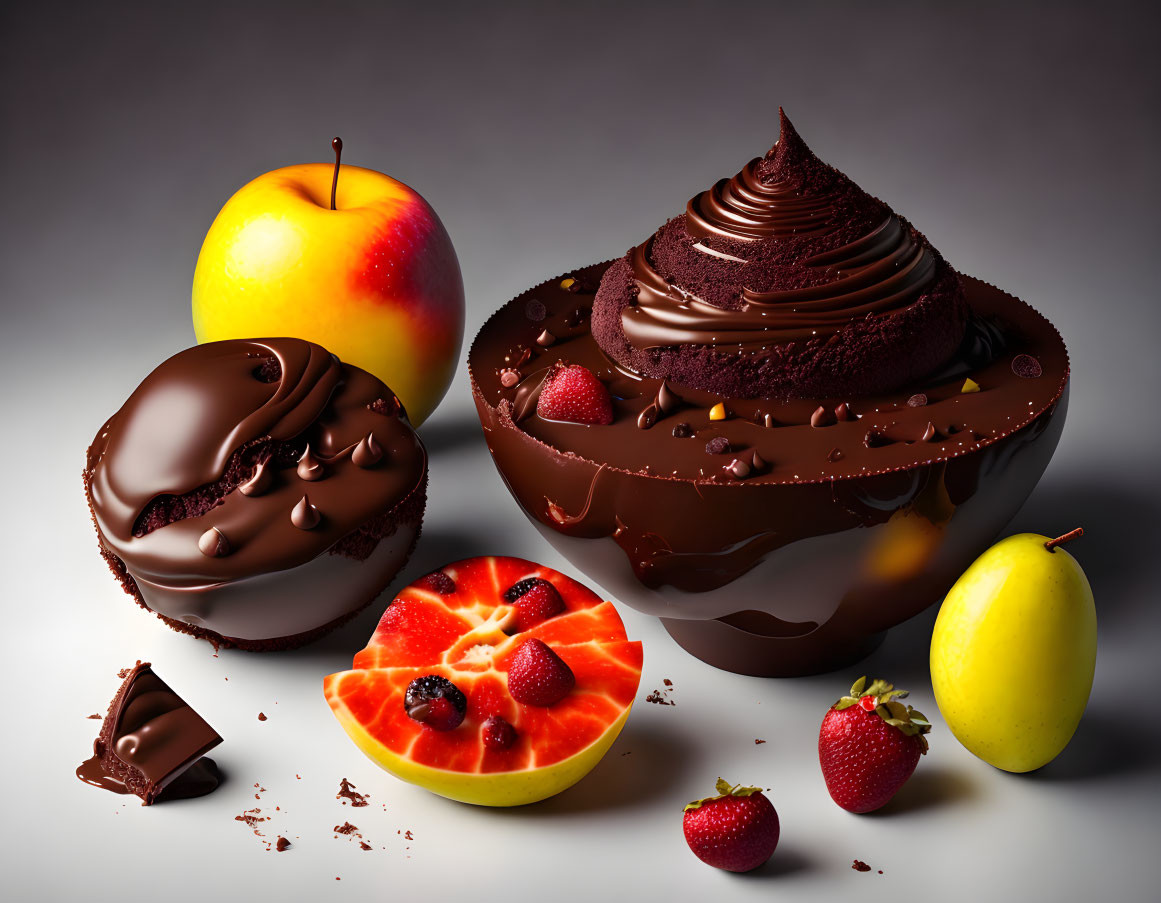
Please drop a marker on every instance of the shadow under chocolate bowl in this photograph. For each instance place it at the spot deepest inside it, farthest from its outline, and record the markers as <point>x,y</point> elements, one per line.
<point>817,423</point>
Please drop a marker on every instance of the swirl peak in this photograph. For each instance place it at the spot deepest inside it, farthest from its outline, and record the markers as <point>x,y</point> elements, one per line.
<point>785,280</point>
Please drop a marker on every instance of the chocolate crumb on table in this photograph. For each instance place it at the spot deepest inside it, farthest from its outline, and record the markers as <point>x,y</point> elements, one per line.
<point>859,866</point>
<point>261,716</point>
<point>94,717</point>
<point>347,792</point>
<point>363,845</point>
<point>282,844</point>
<point>758,742</point>
<point>346,828</point>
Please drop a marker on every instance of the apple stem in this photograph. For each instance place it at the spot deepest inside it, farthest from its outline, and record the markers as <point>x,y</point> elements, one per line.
<point>337,144</point>
<point>1061,540</point>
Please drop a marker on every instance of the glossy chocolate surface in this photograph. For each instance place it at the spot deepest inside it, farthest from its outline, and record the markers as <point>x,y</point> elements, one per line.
<point>839,530</point>
<point>152,743</point>
<point>237,462</point>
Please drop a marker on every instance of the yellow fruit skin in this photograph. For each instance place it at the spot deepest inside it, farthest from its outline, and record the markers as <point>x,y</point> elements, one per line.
<point>1013,653</point>
<point>376,281</point>
<point>504,788</point>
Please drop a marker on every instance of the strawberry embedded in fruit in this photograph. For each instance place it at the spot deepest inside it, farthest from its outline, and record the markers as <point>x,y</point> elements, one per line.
<point>535,600</point>
<point>436,702</point>
<point>499,734</point>
<point>538,676</point>
<point>869,744</point>
<point>736,830</point>
<point>437,582</point>
<point>572,393</point>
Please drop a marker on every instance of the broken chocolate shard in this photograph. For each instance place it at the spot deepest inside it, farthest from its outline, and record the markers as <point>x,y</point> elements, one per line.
<point>282,844</point>
<point>152,743</point>
<point>930,434</point>
<point>545,339</point>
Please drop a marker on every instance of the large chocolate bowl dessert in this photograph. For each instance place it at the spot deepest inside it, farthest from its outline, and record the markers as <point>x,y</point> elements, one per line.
<point>817,423</point>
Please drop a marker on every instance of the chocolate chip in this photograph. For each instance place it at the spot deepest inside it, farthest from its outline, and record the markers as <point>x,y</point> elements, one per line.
<point>768,421</point>
<point>917,401</point>
<point>545,339</point>
<point>667,401</point>
<point>821,417</point>
<point>525,357</point>
<point>719,445</point>
<point>738,469</point>
<point>835,454</point>
<point>757,462</point>
<point>367,453</point>
<point>309,467</point>
<point>1026,366</point>
<point>535,310</point>
<point>843,412</point>
<point>647,417</point>
<point>509,378</point>
<point>213,543</point>
<point>259,482</point>
<point>304,515</point>
<point>682,431</point>
<point>931,434</point>
<point>875,439</point>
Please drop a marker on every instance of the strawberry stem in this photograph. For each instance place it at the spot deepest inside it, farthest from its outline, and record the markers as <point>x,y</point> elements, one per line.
<point>1061,540</point>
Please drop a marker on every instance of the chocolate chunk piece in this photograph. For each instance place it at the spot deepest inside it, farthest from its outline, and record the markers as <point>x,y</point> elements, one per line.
<point>822,417</point>
<point>152,743</point>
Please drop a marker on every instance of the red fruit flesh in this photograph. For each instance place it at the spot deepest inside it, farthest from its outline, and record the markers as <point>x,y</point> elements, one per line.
<point>737,834</point>
<point>573,394</point>
<point>437,582</point>
<point>864,759</point>
<point>538,676</point>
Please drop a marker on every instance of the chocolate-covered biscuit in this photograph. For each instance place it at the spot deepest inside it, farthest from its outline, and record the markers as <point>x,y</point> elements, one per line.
<point>257,492</point>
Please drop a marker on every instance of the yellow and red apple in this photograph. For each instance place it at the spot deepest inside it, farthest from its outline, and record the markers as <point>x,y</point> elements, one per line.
<point>376,280</point>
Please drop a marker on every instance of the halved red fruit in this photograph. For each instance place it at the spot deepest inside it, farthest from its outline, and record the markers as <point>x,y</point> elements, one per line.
<point>465,628</point>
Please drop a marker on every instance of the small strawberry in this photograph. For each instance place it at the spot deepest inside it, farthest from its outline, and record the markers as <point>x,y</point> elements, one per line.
<point>869,744</point>
<point>535,600</point>
<point>538,676</point>
<point>573,394</point>
<point>736,830</point>
<point>498,734</point>
<point>436,582</point>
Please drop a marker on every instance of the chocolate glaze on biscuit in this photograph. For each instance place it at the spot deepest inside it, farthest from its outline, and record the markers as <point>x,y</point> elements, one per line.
<point>195,483</point>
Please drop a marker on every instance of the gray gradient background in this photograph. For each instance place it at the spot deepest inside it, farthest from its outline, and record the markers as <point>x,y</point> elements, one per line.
<point>1024,142</point>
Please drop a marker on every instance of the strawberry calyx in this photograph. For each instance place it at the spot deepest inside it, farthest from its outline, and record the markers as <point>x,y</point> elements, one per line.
<point>725,790</point>
<point>882,698</point>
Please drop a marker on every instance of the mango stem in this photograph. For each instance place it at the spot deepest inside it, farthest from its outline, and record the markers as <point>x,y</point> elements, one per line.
<point>1061,540</point>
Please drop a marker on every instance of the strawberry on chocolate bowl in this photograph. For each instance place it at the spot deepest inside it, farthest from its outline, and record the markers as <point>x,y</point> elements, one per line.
<point>783,423</point>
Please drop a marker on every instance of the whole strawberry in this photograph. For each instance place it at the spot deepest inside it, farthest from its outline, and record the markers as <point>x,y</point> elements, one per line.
<point>573,394</point>
<point>736,830</point>
<point>869,745</point>
<point>538,676</point>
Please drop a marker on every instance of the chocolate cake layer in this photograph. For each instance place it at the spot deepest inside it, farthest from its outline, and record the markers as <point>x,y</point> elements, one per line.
<point>255,491</point>
<point>152,743</point>
<point>787,280</point>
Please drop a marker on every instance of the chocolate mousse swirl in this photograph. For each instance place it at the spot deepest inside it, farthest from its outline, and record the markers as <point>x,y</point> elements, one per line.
<point>787,279</point>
